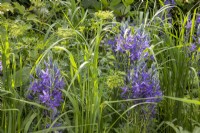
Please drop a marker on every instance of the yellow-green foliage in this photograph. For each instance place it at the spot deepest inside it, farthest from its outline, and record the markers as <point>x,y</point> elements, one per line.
<point>65,33</point>
<point>116,80</point>
<point>5,7</point>
<point>17,29</point>
<point>104,15</point>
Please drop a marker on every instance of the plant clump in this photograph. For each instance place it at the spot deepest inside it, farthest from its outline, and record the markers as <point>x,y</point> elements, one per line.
<point>46,87</point>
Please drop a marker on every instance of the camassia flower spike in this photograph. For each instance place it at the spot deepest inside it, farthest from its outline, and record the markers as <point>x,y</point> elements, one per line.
<point>47,85</point>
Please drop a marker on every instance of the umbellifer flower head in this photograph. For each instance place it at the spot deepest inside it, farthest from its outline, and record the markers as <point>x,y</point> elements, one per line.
<point>104,15</point>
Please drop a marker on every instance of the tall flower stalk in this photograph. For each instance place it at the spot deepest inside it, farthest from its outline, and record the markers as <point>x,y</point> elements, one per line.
<point>129,47</point>
<point>141,81</point>
<point>46,87</point>
<point>132,44</point>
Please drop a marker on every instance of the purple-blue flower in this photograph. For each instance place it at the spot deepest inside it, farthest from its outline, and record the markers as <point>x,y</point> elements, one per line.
<point>144,84</point>
<point>132,44</point>
<point>1,66</point>
<point>168,11</point>
<point>193,47</point>
<point>198,20</point>
<point>45,97</point>
<point>124,91</point>
<point>112,44</point>
<point>188,25</point>
<point>46,87</point>
<point>172,2</point>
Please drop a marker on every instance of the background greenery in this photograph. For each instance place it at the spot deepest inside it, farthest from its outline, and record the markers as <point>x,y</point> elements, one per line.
<point>75,36</point>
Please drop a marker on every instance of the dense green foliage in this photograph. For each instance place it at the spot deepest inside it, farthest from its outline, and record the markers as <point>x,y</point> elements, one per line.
<point>74,35</point>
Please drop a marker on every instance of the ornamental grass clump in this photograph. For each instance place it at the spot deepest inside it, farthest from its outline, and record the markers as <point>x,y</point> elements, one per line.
<point>46,87</point>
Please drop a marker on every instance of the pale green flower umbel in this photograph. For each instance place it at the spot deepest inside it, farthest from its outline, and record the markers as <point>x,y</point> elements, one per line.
<point>104,15</point>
